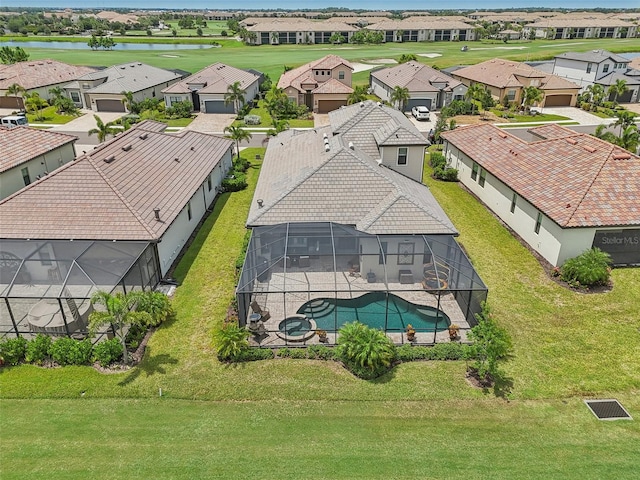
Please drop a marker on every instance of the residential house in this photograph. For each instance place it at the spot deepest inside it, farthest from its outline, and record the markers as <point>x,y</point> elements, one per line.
<point>102,90</point>
<point>562,193</point>
<point>599,67</point>
<point>280,31</point>
<point>563,27</point>
<point>36,76</point>
<point>507,78</point>
<point>427,86</point>
<point>340,215</point>
<point>425,29</point>
<point>206,89</point>
<point>29,154</point>
<point>322,85</point>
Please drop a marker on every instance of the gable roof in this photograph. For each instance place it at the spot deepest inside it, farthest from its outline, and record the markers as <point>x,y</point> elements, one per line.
<point>303,75</point>
<point>333,86</point>
<point>20,144</point>
<point>594,56</point>
<point>39,73</point>
<point>577,180</point>
<point>216,78</point>
<point>416,77</point>
<point>304,180</point>
<point>129,77</point>
<point>501,73</point>
<point>96,200</point>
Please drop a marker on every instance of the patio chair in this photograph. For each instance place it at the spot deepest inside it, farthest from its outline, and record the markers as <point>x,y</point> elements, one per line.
<point>263,312</point>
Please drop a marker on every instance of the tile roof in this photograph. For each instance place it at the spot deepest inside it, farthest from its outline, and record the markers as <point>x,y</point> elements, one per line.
<point>21,144</point>
<point>302,181</point>
<point>39,73</point>
<point>631,77</point>
<point>129,77</point>
<point>303,75</point>
<point>216,78</point>
<point>98,200</point>
<point>424,23</point>
<point>577,180</point>
<point>333,86</point>
<point>501,73</point>
<point>415,76</point>
<point>300,25</point>
<point>594,56</point>
<point>563,22</point>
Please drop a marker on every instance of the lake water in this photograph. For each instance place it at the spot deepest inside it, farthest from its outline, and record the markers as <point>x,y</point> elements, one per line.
<point>119,46</point>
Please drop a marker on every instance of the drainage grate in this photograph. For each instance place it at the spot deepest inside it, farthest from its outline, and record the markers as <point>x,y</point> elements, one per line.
<point>608,410</point>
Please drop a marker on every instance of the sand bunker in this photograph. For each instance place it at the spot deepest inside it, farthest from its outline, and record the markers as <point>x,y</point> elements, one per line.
<point>430,55</point>
<point>169,56</point>
<point>498,48</point>
<point>383,60</point>
<point>362,67</point>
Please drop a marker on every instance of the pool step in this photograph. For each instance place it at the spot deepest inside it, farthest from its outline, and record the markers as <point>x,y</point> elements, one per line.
<point>318,309</point>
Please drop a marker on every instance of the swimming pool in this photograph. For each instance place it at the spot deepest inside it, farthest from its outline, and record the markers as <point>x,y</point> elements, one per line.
<point>375,309</point>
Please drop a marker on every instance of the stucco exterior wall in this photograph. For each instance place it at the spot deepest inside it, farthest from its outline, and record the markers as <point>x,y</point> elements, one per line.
<point>415,161</point>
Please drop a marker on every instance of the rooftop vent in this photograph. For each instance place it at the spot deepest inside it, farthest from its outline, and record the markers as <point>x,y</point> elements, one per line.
<point>351,145</point>
<point>379,104</point>
<point>572,141</point>
<point>176,160</point>
<point>260,202</point>
<point>110,159</point>
<point>361,104</point>
<point>144,136</point>
<point>156,212</point>
<point>126,148</point>
<point>324,135</point>
<point>608,410</point>
<point>327,148</point>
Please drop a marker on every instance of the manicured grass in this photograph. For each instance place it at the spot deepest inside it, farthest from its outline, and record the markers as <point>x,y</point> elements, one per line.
<point>265,119</point>
<point>49,115</point>
<point>178,122</point>
<point>540,117</point>
<point>326,439</point>
<point>521,125</point>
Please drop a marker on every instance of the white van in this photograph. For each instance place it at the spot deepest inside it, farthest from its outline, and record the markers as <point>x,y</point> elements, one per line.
<point>11,121</point>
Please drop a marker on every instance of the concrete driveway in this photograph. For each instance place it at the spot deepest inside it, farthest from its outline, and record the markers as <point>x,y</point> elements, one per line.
<point>211,122</point>
<point>86,122</point>
<point>576,114</point>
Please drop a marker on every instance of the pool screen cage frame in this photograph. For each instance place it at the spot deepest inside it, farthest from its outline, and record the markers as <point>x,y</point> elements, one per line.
<point>46,285</point>
<point>291,264</point>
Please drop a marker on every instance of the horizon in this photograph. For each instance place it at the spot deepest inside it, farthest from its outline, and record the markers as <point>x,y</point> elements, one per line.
<point>322,4</point>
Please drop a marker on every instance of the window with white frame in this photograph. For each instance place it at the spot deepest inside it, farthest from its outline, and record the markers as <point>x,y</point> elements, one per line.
<point>402,155</point>
<point>538,223</point>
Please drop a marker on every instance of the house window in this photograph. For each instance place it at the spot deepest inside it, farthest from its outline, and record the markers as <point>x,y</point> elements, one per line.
<point>474,171</point>
<point>382,257</point>
<point>75,96</point>
<point>513,202</point>
<point>538,222</point>
<point>340,75</point>
<point>25,175</point>
<point>173,100</point>
<point>605,69</point>
<point>209,182</point>
<point>405,253</point>
<point>402,156</point>
<point>511,94</point>
<point>589,65</point>
<point>189,210</point>
<point>483,176</point>
<point>45,258</point>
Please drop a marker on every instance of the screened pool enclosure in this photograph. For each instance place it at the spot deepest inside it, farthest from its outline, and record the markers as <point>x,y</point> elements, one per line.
<point>302,280</point>
<point>46,284</point>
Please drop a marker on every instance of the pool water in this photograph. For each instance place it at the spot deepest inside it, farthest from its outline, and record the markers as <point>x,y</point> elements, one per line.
<point>375,309</point>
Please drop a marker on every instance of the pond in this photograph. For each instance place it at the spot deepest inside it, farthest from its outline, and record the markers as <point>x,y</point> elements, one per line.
<point>119,46</point>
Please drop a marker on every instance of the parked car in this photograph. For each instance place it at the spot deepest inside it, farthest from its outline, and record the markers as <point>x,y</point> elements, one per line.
<point>14,121</point>
<point>420,112</point>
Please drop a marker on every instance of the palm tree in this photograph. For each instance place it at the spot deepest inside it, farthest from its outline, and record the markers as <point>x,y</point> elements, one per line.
<point>365,346</point>
<point>274,38</point>
<point>119,311</point>
<point>103,129</point>
<point>407,57</point>
<point>359,94</point>
<point>630,138</point>
<point>235,94</point>
<point>474,93</point>
<point>531,95</point>
<point>15,90</point>
<point>127,101</point>
<point>237,134</point>
<point>35,103</point>
<point>603,134</point>
<point>625,119</point>
<point>597,92</point>
<point>617,89</point>
<point>278,126</point>
<point>400,97</point>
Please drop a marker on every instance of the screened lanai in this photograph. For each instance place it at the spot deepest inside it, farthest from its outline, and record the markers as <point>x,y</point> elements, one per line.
<point>46,285</point>
<point>301,279</point>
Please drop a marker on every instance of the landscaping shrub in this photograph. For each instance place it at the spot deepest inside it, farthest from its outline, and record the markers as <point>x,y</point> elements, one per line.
<point>437,159</point>
<point>107,352</point>
<point>446,174</point>
<point>243,251</point>
<point>157,305</point>
<point>321,352</point>
<point>253,354</point>
<point>241,164</point>
<point>589,268</point>
<point>457,107</point>
<point>366,351</point>
<point>13,350</point>
<point>67,351</point>
<point>252,120</point>
<point>38,349</point>
<point>284,352</point>
<point>235,184</point>
<point>179,110</point>
<point>231,341</point>
<point>490,344</point>
<point>135,335</point>
<point>298,353</point>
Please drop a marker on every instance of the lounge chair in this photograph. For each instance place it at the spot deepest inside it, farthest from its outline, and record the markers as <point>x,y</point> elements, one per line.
<point>263,312</point>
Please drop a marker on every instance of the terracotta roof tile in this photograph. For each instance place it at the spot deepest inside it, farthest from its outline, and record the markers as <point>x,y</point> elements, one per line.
<point>216,77</point>
<point>39,73</point>
<point>298,76</point>
<point>21,144</point>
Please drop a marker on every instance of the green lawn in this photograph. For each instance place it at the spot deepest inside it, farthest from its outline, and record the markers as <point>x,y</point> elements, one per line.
<point>265,119</point>
<point>534,124</point>
<point>49,115</point>
<point>178,122</point>
<point>540,117</point>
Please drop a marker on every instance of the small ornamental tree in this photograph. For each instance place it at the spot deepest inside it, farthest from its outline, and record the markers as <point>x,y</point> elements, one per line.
<point>491,343</point>
<point>366,351</point>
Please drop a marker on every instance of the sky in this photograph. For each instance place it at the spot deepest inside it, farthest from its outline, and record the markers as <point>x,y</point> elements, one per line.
<point>315,4</point>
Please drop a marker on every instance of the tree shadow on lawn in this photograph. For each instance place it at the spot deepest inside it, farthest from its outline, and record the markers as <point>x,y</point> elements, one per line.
<point>150,365</point>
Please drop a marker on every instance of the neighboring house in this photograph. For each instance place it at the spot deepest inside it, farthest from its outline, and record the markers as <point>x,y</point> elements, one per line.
<point>599,67</point>
<point>101,90</point>
<point>577,27</point>
<point>510,34</point>
<point>206,89</point>
<point>562,194</point>
<point>339,212</point>
<point>427,86</point>
<point>29,154</point>
<point>322,85</point>
<point>507,78</point>
<point>425,29</point>
<point>298,30</point>
<point>36,76</point>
